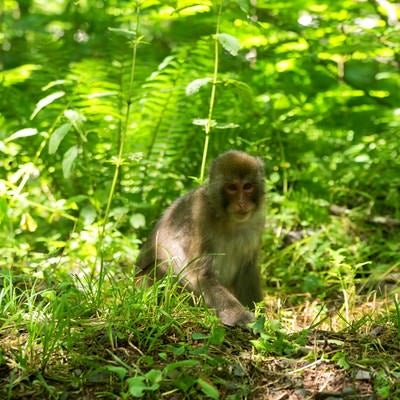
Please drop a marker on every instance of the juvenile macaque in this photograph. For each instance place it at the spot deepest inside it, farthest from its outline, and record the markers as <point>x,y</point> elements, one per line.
<point>210,237</point>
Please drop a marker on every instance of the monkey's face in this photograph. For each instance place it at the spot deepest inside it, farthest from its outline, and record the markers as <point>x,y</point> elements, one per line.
<point>240,198</point>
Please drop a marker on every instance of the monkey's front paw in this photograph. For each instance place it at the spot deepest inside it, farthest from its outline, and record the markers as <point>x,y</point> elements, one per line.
<point>233,317</point>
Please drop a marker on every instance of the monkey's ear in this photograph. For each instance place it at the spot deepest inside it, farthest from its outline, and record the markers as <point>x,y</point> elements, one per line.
<point>261,165</point>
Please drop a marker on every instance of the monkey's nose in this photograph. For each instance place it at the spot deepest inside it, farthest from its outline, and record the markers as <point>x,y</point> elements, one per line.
<point>242,205</point>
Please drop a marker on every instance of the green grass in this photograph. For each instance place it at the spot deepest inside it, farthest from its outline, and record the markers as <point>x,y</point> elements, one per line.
<point>329,323</point>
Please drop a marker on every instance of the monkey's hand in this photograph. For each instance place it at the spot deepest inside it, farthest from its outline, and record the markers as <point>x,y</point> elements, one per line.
<point>236,316</point>
<point>229,309</point>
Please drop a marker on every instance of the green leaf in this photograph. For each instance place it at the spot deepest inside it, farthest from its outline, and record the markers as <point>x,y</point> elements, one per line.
<point>360,72</point>
<point>154,376</point>
<point>42,103</point>
<point>49,294</point>
<point>229,43</point>
<point>199,336</point>
<point>68,160</point>
<point>119,371</point>
<point>19,74</point>
<point>227,125</point>
<point>203,122</point>
<point>3,209</point>
<point>194,86</point>
<point>362,158</point>
<point>244,5</point>
<point>259,325</point>
<point>28,223</point>
<point>57,137</point>
<point>136,386</point>
<point>22,133</point>
<point>217,335</point>
<point>208,389</point>
<point>123,32</point>
<point>74,117</point>
<point>190,9</point>
<point>180,364</point>
<point>274,177</point>
<point>137,221</point>
<point>72,201</point>
<point>119,212</point>
<point>55,83</point>
<point>88,214</point>
<point>341,360</point>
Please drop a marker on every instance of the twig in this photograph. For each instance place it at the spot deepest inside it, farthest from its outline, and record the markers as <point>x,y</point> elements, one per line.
<point>378,220</point>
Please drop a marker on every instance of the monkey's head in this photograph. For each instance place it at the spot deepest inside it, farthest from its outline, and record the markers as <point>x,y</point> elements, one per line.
<point>236,185</point>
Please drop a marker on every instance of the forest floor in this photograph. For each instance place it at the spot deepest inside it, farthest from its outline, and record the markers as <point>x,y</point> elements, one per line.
<point>277,378</point>
<point>361,362</point>
<point>66,334</point>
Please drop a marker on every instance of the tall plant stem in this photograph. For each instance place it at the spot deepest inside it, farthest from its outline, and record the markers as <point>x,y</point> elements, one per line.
<point>119,160</point>
<point>212,96</point>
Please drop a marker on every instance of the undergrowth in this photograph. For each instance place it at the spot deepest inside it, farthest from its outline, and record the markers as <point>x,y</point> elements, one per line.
<point>62,338</point>
<point>109,110</point>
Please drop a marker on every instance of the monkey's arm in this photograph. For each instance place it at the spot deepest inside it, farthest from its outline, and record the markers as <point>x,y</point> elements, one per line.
<point>201,280</point>
<point>247,285</point>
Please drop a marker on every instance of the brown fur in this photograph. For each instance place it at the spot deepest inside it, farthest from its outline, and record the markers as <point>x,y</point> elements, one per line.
<point>213,250</point>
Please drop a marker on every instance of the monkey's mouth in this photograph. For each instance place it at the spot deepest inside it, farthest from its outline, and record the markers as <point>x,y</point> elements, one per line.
<point>241,216</point>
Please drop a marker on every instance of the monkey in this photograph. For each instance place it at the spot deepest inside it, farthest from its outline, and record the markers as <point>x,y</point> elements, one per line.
<point>211,238</point>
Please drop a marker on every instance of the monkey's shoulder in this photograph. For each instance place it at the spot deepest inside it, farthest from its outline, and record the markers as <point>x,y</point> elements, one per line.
<point>185,209</point>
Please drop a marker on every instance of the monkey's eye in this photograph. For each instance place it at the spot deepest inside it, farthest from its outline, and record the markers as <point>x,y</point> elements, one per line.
<point>231,188</point>
<point>248,187</point>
